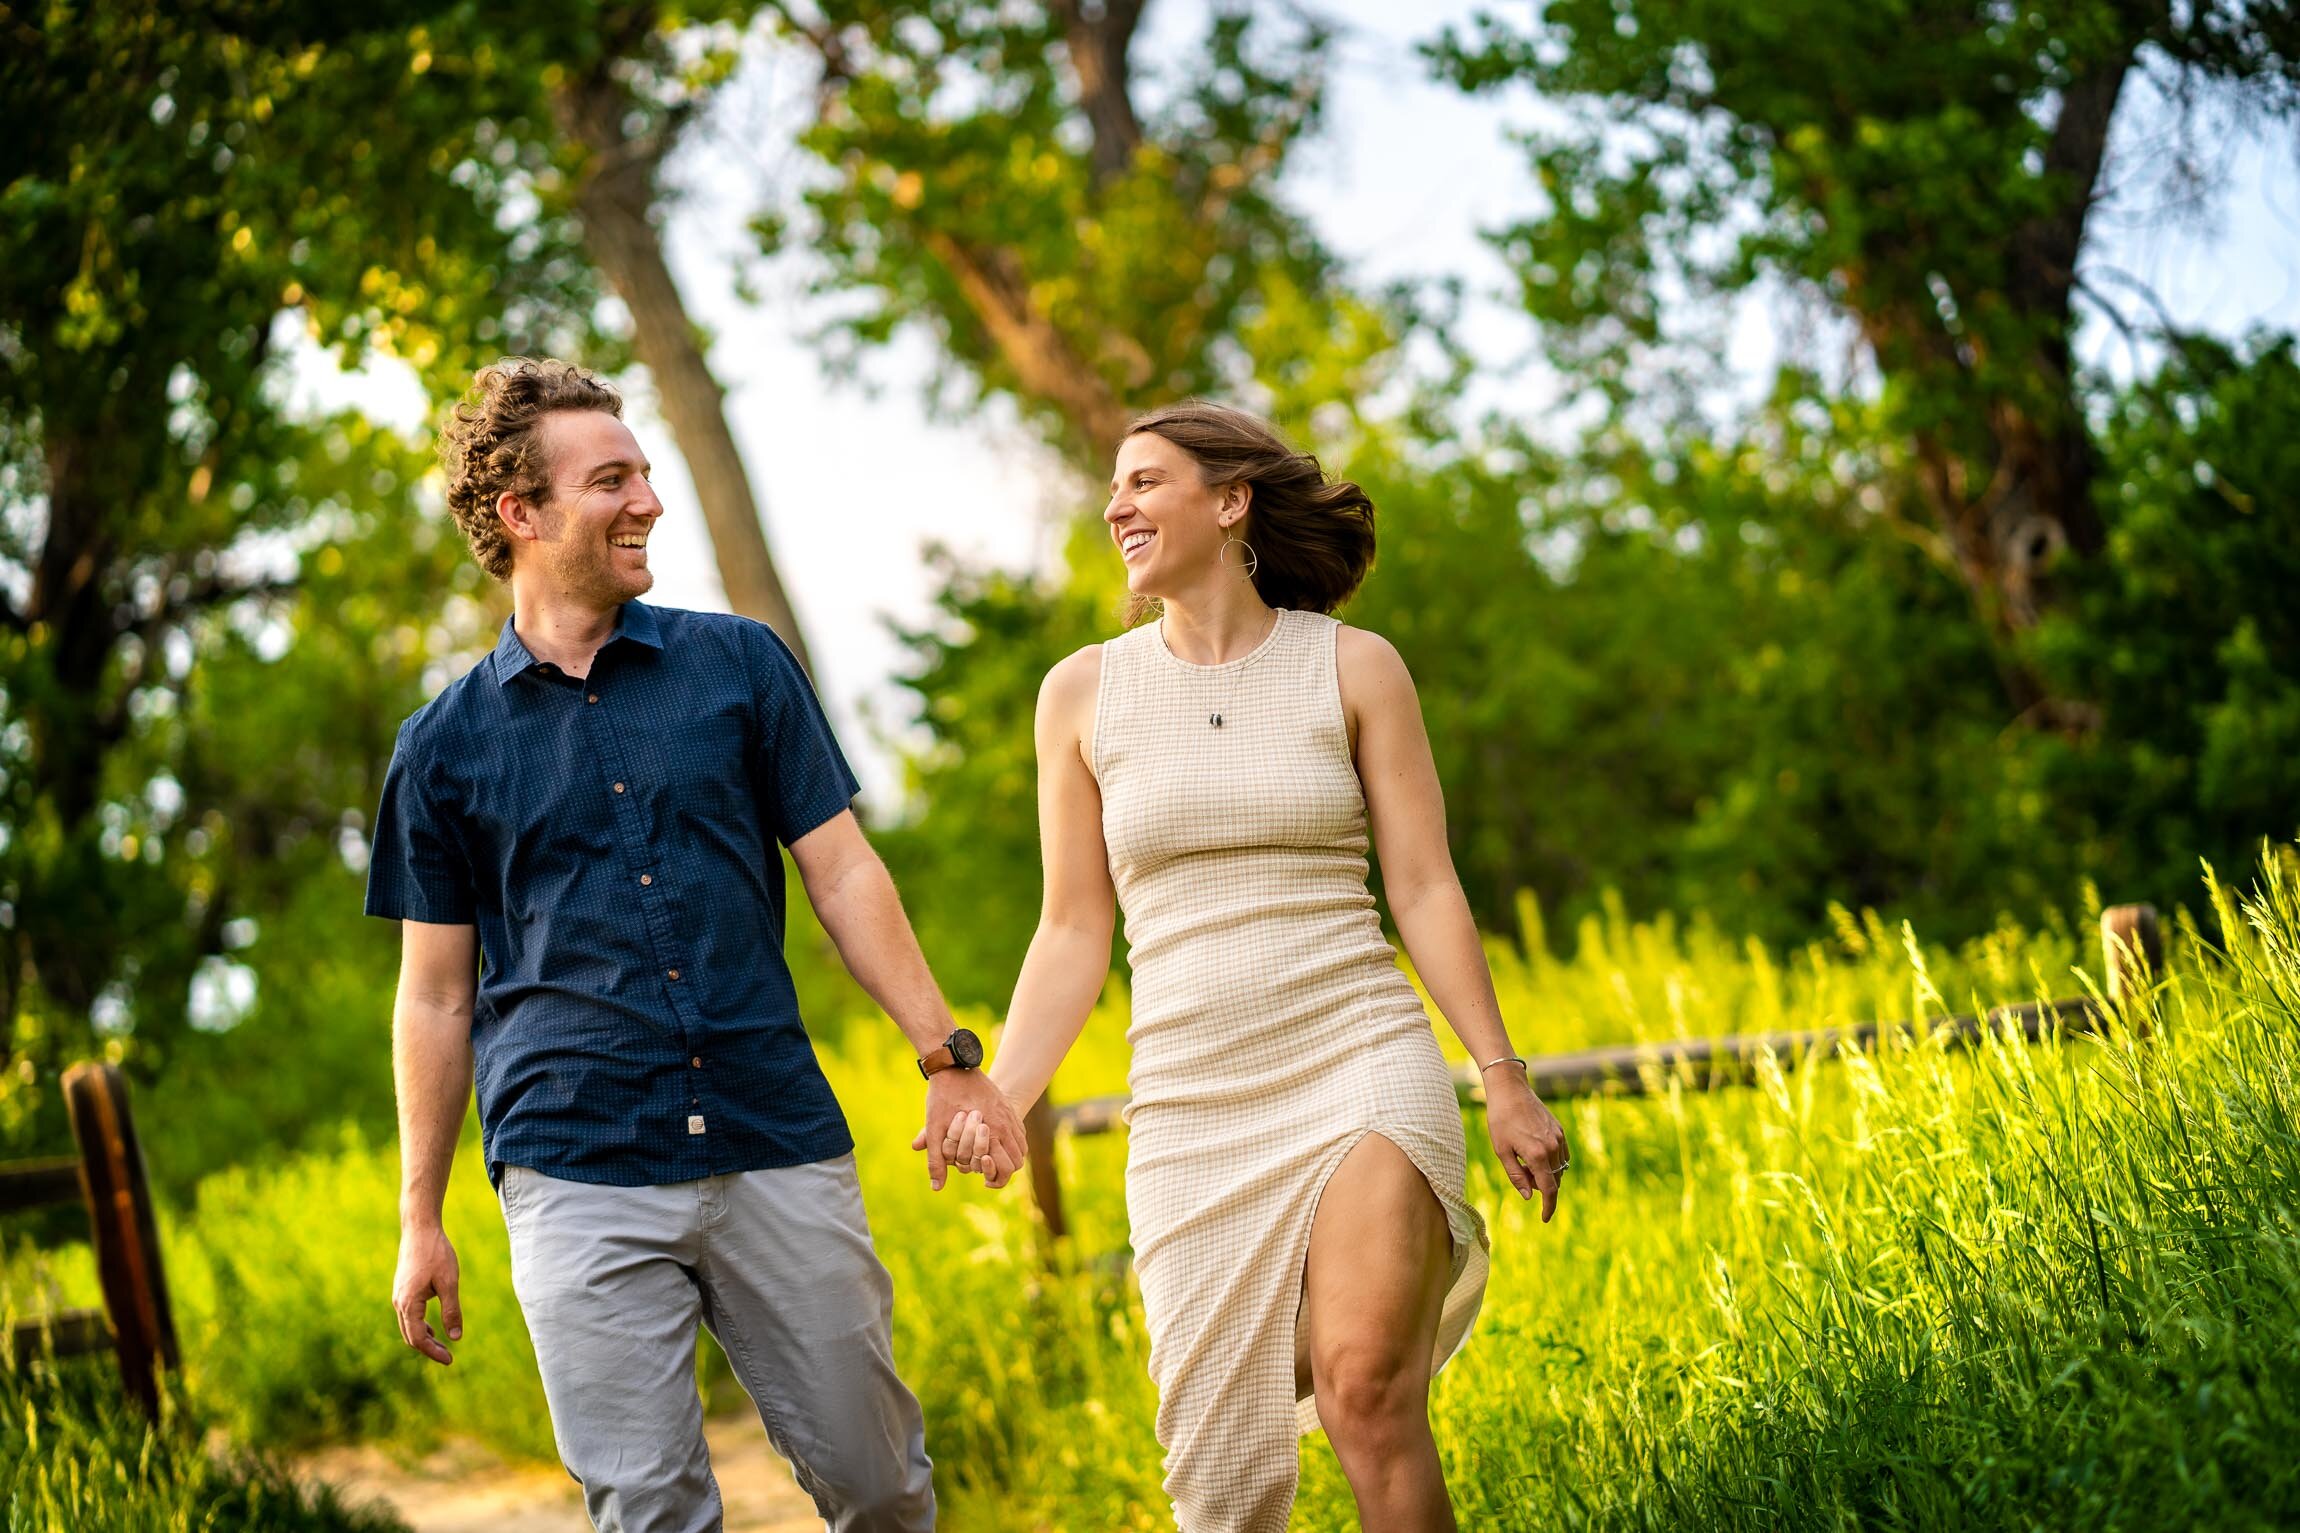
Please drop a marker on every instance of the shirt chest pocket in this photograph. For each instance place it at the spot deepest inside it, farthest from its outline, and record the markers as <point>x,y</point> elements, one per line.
<point>695,772</point>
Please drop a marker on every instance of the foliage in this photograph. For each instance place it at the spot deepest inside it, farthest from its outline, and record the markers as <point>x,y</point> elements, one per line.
<point>179,739</point>
<point>1927,173</point>
<point>994,178</point>
<point>969,866</point>
<point>75,1458</point>
<point>1701,678</point>
<point>2185,632</point>
<point>1722,666</point>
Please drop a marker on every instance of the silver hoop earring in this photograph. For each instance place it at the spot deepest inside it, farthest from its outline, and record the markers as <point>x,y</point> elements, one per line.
<point>1247,562</point>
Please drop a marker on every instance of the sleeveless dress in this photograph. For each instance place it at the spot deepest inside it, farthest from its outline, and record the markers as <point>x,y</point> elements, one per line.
<point>1272,1030</point>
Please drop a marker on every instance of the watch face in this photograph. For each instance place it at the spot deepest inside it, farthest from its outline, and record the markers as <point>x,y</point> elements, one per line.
<point>965,1050</point>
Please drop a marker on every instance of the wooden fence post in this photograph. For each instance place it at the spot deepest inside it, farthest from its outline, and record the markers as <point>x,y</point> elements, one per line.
<point>1045,1180</point>
<point>127,1238</point>
<point>2132,943</point>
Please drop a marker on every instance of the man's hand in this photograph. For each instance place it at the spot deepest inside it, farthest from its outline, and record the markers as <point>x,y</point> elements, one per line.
<point>426,1269</point>
<point>965,1111</point>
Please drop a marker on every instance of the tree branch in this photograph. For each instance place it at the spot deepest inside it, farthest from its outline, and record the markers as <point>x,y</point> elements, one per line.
<point>1042,357</point>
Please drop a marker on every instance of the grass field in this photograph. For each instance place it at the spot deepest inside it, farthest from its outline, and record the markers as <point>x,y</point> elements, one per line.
<point>75,1459</point>
<point>2048,1286</point>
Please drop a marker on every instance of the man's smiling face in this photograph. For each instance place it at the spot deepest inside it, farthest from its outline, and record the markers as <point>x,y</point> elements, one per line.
<point>597,518</point>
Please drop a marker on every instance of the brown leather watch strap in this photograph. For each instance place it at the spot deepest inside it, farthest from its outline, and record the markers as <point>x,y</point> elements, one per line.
<point>940,1059</point>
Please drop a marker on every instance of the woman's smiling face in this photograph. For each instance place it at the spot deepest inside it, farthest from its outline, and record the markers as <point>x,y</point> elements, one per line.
<point>1167,522</point>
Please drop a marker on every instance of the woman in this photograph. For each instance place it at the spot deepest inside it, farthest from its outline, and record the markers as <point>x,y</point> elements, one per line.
<point>1295,1161</point>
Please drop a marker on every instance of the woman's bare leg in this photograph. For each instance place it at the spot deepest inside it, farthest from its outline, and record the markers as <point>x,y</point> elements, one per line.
<point>1380,1256</point>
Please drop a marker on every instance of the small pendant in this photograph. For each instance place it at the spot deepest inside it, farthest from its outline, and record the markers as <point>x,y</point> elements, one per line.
<point>1214,719</point>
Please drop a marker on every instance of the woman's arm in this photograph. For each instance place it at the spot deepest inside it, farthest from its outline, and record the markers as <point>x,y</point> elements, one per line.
<point>1069,957</point>
<point>1406,812</point>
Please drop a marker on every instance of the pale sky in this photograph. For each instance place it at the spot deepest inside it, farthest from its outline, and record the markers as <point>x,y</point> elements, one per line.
<point>854,482</point>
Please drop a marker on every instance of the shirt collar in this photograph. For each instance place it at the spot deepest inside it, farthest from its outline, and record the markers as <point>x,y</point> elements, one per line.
<point>635,621</point>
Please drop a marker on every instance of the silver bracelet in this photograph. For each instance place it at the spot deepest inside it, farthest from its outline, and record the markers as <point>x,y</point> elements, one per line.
<point>1506,1059</point>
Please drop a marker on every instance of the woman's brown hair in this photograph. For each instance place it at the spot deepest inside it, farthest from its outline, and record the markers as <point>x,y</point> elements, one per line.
<point>488,444</point>
<point>1312,537</point>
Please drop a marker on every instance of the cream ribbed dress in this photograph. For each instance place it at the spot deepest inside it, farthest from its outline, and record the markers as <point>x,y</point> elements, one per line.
<point>1272,1030</point>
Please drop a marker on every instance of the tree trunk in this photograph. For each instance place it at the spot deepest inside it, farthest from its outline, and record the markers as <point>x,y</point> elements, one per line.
<point>70,618</point>
<point>616,200</point>
<point>2013,494</point>
<point>2039,497</point>
<point>1096,36</point>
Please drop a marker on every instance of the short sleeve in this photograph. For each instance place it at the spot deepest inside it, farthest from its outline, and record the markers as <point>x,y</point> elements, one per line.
<point>416,870</point>
<point>802,778</point>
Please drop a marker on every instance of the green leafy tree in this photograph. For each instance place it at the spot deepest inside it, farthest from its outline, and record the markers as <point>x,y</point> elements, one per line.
<point>182,722</point>
<point>1931,172</point>
<point>993,178</point>
<point>2186,633</point>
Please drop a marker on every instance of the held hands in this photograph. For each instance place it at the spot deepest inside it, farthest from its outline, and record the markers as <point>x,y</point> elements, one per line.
<point>426,1268</point>
<point>1526,1135</point>
<point>970,1125</point>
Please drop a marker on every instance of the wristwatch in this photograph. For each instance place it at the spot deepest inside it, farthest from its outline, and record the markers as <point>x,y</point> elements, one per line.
<point>960,1051</point>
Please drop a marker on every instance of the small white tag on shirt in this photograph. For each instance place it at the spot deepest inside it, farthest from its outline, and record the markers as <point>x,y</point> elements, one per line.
<point>694,1123</point>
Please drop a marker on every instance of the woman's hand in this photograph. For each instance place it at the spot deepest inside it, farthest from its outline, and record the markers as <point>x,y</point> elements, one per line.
<point>970,1127</point>
<point>974,1148</point>
<point>1526,1135</point>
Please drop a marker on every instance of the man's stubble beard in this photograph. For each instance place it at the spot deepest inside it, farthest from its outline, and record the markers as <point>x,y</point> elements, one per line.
<point>585,568</point>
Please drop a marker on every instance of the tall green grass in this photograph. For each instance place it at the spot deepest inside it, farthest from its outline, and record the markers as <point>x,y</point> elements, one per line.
<point>2031,1286</point>
<point>75,1458</point>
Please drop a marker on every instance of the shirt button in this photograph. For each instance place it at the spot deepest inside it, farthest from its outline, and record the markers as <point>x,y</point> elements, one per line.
<point>697,1061</point>
<point>646,878</point>
<point>618,787</point>
<point>594,697</point>
<point>674,973</point>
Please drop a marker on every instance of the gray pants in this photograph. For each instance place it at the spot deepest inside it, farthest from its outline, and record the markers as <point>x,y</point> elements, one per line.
<point>779,1265</point>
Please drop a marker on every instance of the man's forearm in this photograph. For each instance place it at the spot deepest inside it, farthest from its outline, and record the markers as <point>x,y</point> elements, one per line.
<point>864,917</point>
<point>431,1068</point>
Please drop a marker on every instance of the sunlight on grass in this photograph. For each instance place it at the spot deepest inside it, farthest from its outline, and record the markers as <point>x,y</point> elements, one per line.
<point>2029,1285</point>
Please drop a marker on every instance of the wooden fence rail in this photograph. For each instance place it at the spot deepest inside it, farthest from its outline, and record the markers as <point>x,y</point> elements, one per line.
<point>2132,947</point>
<point>136,1322</point>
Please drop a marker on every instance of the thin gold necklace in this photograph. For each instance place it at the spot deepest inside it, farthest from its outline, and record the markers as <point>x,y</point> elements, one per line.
<point>1218,710</point>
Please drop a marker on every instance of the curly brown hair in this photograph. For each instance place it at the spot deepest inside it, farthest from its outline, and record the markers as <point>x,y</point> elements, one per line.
<point>1313,537</point>
<point>488,444</point>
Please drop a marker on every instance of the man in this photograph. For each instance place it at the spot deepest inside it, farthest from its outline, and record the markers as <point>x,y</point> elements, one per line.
<point>578,838</point>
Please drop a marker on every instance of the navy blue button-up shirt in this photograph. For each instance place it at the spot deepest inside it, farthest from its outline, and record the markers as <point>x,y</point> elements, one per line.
<point>613,839</point>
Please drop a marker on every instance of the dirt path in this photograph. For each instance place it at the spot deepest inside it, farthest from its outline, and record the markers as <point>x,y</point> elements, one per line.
<point>465,1489</point>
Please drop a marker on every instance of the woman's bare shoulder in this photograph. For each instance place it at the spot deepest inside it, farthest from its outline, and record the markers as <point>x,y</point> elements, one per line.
<point>1368,660</point>
<point>1079,671</point>
<point>1066,697</point>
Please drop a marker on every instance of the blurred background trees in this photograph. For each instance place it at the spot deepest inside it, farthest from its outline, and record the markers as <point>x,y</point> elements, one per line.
<point>1939,623</point>
<point>214,605</point>
<point>1850,644</point>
